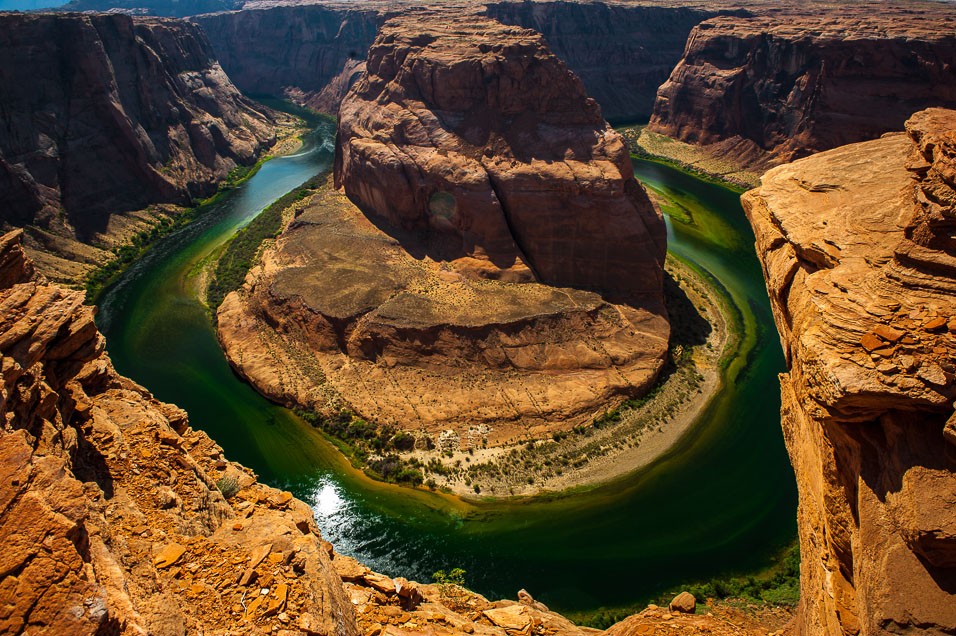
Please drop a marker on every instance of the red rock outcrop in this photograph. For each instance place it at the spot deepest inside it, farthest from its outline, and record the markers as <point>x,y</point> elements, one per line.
<point>772,88</point>
<point>496,201</point>
<point>110,513</point>
<point>858,253</point>
<point>475,136</point>
<point>107,114</point>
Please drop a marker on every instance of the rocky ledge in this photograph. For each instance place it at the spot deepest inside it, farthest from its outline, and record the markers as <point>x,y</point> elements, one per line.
<point>860,261</point>
<point>118,518</point>
<point>758,91</point>
<point>499,268</point>
<point>105,116</point>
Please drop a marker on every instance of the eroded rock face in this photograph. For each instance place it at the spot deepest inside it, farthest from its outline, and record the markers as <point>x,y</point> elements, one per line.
<point>107,114</point>
<point>310,53</point>
<point>110,515</point>
<point>506,273</point>
<point>477,138</point>
<point>857,249</point>
<point>769,89</point>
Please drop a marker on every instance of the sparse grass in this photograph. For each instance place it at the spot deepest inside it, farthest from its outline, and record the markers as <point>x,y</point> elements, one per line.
<point>237,258</point>
<point>228,486</point>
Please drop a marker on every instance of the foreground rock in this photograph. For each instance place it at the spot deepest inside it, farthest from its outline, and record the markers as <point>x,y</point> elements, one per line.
<point>767,89</point>
<point>860,263</point>
<point>110,513</point>
<point>109,116</point>
<point>431,310</point>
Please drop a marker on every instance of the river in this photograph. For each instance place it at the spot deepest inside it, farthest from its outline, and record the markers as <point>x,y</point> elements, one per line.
<point>722,500</point>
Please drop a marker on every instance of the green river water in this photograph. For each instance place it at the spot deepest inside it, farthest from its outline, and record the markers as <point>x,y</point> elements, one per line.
<point>722,500</point>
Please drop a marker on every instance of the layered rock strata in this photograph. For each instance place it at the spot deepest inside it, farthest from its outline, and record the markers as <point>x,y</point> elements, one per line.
<point>105,115</point>
<point>621,51</point>
<point>506,273</point>
<point>309,53</point>
<point>772,88</point>
<point>110,513</point>
<point>858,253</point>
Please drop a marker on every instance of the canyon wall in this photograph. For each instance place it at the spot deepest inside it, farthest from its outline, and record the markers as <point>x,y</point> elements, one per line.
<point>768,89</point>
<point>495,265</point>
<point>622,52</point>
<point>107,114</point>
<point>308,53</point>
<point>110,514</point>
<point>858,251</point>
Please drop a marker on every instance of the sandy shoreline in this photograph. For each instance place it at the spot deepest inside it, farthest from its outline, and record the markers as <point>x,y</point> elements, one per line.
<point>598,455</point>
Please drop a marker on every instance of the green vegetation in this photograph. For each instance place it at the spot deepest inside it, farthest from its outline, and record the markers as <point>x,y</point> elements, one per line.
<point>228,486</point>
<point>451,587</point>
<point>240,252</point>
<point>125,255</point>
<point>372,447</point>
<point>777,585</point>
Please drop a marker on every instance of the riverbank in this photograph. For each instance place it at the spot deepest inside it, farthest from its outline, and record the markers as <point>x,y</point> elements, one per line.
<point>624,439</point>
<point>697,160</point>
<point>163,220</point>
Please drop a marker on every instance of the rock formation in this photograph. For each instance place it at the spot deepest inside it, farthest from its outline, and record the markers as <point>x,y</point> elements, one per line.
<point>507,271</point>
<point>772,88</point>
<point>309,53</point>
<point>858,251</point>
<point>475,137</point>
<point>110,513</point>
<point>105,115</point>
<point>118,518</point>
<point>312,52</point>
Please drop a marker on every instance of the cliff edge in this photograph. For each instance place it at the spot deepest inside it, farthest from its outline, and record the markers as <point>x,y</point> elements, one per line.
<point>859,257</point>
<point>762,90</point>
<point>105,116</point>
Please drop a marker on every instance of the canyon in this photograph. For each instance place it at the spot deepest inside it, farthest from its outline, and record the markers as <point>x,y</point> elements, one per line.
<point>859,257</point>
<point>496,265</point>
<point>762,90</point>
<point>444,240</point>
<point>106,119</point>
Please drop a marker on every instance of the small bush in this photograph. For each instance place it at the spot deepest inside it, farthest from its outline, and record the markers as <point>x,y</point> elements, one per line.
<point>228,486</point>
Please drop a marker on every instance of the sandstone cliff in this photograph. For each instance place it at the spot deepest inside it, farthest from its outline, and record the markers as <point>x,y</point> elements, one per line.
<point>499,207</point>
<point>104,115</point>
<point>771,88</point>
<point>621,51</point>
<point>110,514</point>
<point>309,53</point>
<point>859,257</point>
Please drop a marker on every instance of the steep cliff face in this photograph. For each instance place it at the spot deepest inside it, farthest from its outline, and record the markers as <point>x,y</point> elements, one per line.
<point>770,89</point>
<point>507,270</point>
<point>107,114</point>
<point>310,53</point>
<point>859,257</point>
<point>479,139</point>
<point>110,514</point>
<point>622,52</point>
